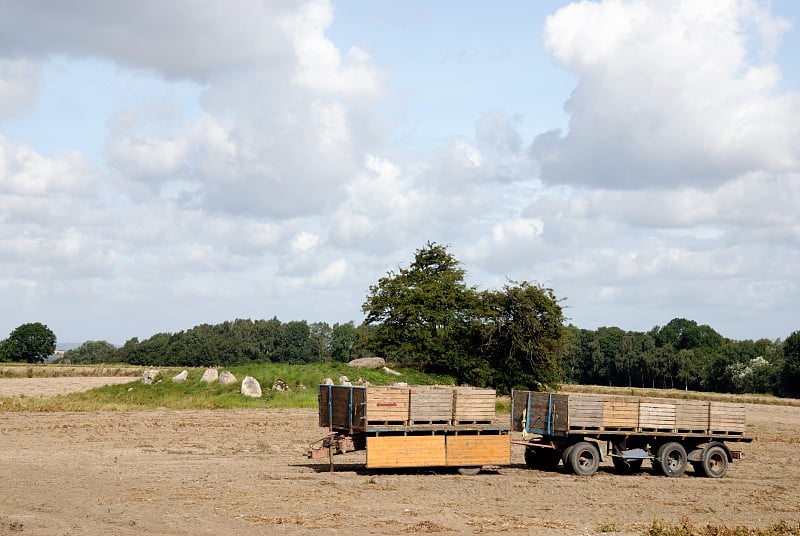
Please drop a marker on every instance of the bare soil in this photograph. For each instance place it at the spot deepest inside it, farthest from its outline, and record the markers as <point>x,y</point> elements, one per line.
<point>243,472</point>
<point>47,387</point>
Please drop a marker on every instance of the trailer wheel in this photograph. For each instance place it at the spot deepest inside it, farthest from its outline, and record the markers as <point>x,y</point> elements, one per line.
<point>584,458</point>
<point>565,457</point>
<point>542,459</point>
<point>629,465</point>
<point>715,462</point>
<point>469,471</point>
<point>672,459</point>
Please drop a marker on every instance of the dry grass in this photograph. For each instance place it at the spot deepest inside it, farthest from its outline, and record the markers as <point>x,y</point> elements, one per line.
<point>67,371</point>
<point>681,394</point>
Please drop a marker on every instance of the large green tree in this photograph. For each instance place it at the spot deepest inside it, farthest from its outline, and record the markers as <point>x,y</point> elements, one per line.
<point>427,315</point>
<point>31,343</point>
<point>91,352</point>
<point>419,312</point>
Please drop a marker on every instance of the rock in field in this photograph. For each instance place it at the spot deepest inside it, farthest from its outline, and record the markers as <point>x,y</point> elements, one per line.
<point>180,378</point>
<point>251,387</point>
<point>150,376</point>
<point>210,375</point>
<point>327,381</point>
<point>280,385</point>
<point>368,362</point>
<point>227,378</point>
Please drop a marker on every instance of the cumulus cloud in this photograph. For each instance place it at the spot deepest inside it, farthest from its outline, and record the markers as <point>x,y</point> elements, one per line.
<point>19,80</point>
<point>678,93</point>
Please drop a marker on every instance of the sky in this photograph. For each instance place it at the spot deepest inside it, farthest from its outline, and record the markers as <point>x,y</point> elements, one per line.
<point>168,164</point>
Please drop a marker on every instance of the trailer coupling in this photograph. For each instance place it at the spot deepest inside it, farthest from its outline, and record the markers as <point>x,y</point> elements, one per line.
<point>330,445</point>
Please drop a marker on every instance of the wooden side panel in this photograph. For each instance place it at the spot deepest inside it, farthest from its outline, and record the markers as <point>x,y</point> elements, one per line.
<point>542,406</point>
<point>621,413</point>
<point>431,404</point>
<point>585,412</point>
<point>387,404</point>
<point>323,395</point>
<point>473,405</point>
<point>472,450</point>
<point>341,407</point>
<point>658,416</point>
<point>406,451</point>
<point>691,416</point>
<point>726,418</point>
<point>560,416</point>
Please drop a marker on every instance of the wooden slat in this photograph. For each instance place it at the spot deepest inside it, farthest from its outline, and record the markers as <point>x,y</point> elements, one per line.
<point>585,412</point>
<point>725,417</point>
<point>387,404</point>
<point>620,413</point>
<point>431,404</point>
<point>472,450</point>
<point>472,404</point>
<point>691,416</point>
<point>657,416</point>
<point>406,451</point>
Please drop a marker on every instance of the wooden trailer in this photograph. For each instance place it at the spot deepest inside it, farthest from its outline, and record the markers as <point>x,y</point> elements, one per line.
<point>671,434</point>
<point>419,426</point>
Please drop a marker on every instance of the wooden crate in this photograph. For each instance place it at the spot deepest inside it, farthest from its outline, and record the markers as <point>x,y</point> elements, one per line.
<point>657,415</point>
<point>472,405</point>
<point>585,412</point>
<point>726,418</point>
<point>465,450</point>
<point>431,404</point>
<point>387,405</point>
<point>406,451</point>
<point>691,416</point>
<point>342,407</point>
<point>533,409</point>
<point>620,413</point>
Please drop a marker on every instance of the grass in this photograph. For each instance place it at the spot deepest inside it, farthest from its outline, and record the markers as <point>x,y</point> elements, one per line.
<point>195,394</point>
<point>686,528</point>
<point>18,370</point>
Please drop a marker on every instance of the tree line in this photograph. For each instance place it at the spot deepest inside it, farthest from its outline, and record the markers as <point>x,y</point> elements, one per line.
<point>426,316</point>
<point>682,355</point>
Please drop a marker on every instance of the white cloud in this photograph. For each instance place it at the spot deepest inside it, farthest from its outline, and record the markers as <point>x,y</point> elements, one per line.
<point>669,93</point>
<point>19,80</point>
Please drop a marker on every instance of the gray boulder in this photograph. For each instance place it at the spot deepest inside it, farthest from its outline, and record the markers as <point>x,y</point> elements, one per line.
<point>150,376</point>
<point>280,385</point>
<point>368,362</point>
<point>180,378</point>
<point>251,387</point>
<point>327,381</point>
<point>387,370</point>
<point>210,375</point>
<point>227,378</point>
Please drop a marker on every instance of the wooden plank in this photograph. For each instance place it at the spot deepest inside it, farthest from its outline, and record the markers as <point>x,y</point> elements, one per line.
<point>585,412</point>
<point>431,404</point>
<point>387,404</point>
<point>473,404</point>
<point>406,451</point>
<point>474,450</point>
<point>656,416</point>
<point>620,413</point>
<point>726,418</point>
<point>691,416</point>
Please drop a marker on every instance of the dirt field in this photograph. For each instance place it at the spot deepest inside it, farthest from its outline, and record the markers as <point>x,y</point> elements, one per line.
<point>244,472</point>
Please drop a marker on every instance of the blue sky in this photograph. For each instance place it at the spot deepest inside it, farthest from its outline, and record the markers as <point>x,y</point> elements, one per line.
<point>166,165</point>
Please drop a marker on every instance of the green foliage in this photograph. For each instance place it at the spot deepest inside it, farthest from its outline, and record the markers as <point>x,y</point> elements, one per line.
<point>30,343</point>
<point>238,343</point>
<point>427,316</point>
<point>790,374</point>
<point>681,354</point>
<point>91,352</point>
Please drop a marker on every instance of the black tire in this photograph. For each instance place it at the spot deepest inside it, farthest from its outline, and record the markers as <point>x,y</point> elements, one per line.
<point>627,465</point>
<point>715,462</point>
<point>672,459</point>
<point>541,459</point>
<point>584,458</point>
<point>565,457</point>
